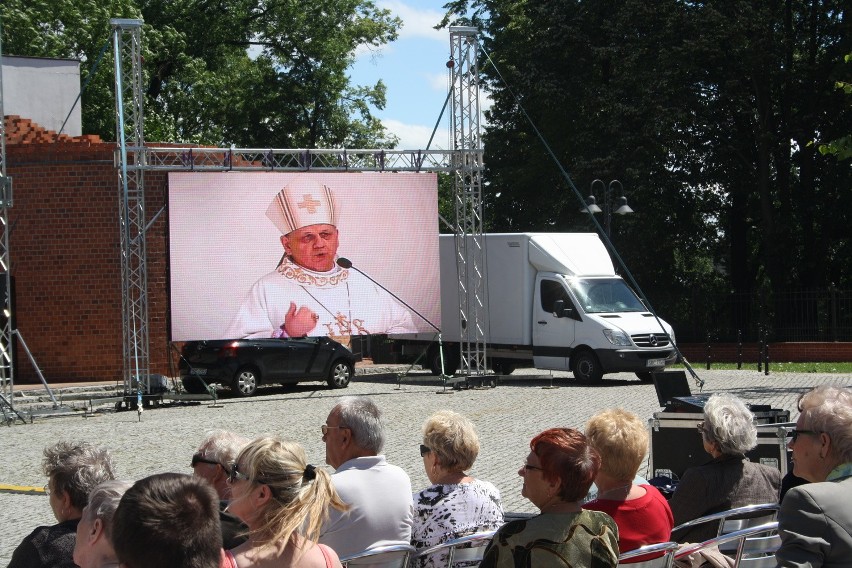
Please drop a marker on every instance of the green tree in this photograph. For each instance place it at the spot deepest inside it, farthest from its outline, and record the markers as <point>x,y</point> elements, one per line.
<point>251,73</point>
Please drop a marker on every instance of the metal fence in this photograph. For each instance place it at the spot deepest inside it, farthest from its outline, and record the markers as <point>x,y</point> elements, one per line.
<point>795,315</point>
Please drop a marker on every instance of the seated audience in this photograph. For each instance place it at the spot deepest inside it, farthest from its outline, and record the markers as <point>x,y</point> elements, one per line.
<point>284,502</point>
<point>211,461</point>
<point>641,512</point>
<point>815,520</point>
<point>455,504</point>
<point>168,520</point>
<point>378,494</point>
<point>93,548</point>
<point>557,475</point>
<point>73,469</point>
<point>727,481</point>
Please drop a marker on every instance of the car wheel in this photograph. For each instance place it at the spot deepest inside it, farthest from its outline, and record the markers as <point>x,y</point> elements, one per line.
<point>585,366</point>
<point>340,375</point>
<point>645,376</point>
<point>245,382</point>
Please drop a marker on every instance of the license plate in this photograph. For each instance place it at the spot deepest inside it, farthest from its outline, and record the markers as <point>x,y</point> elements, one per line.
<point>198,372</point>
<point>656,363</point>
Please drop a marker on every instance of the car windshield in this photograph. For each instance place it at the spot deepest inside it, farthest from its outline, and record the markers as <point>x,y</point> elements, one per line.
<point>605,295</point>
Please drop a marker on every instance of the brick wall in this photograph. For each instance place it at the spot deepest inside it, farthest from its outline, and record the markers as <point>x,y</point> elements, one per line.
<point>65,256</point>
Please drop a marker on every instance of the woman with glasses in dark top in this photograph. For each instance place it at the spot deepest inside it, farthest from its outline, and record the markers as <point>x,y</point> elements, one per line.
<point>815,521</point>
<point>284,501</point>
<point>557,475</point>
<point>727,481</point>
<point>455,504</point>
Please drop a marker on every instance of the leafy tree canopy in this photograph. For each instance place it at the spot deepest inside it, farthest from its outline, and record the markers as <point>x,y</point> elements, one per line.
<point>252,73</point>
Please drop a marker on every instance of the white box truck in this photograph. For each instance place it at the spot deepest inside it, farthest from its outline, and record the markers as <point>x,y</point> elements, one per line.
<point>553,300</point>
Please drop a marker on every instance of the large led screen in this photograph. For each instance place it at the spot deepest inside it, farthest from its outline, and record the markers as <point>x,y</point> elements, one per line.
<point>264,254</point>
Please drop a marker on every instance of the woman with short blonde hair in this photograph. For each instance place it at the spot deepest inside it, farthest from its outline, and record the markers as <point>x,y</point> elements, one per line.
<point>455,504</point>
<point>284,502</point>
<point>641,512</point>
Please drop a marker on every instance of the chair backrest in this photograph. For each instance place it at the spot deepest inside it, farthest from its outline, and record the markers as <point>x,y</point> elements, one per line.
<point>665,549</point>
<point>736,519</point>
<point>394,556</point>
<point>755,546</point>
<point>466,549</point>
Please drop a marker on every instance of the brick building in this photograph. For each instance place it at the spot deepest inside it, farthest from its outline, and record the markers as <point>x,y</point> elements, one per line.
<point>65,256</point>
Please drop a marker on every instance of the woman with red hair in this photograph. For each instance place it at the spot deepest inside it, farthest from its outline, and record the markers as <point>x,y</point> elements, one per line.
<point>557,475</point>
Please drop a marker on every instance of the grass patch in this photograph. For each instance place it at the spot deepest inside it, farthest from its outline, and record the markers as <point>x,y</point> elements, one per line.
<point>780,367</point>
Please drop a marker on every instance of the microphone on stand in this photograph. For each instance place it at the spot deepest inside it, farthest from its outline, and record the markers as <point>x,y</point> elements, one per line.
<point>343,262</point>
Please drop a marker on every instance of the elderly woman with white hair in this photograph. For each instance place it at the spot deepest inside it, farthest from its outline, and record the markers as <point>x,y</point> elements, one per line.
<point>93,548</point>
<point>815,521</point>
<point>727,481</point>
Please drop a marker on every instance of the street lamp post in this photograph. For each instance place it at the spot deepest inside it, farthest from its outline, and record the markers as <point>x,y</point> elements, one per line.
<point>621,208</point>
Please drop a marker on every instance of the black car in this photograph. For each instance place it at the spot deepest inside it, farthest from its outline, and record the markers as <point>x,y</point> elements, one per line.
<point>244,364</point>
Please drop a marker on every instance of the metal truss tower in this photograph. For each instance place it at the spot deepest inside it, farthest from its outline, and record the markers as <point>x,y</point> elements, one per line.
<point>467,167</point>
<point>6,347</point>
<point>464,160</point>
<point>127,44</point>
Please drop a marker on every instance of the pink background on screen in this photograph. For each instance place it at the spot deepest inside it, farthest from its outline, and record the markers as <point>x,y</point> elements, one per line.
<point>221,241</point>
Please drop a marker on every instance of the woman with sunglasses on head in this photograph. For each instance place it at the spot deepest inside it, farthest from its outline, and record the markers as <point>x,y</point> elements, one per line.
<point>727,481</point>
<point>557,475</point>
<point>284,501</point>
<point>815,521</point>
<point>456,504</point>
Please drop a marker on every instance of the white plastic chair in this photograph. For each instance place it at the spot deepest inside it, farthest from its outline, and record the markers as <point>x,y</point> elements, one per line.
<point>754,547</point>
<point>667,549</point>
<point>466,549</point>
<point>736,519</point>
<point>393,556</point>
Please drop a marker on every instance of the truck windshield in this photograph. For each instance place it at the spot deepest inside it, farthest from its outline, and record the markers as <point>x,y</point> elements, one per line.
<point>605,295</point>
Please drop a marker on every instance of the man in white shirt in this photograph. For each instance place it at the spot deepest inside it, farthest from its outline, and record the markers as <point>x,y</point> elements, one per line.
<point>378,493</point>
<point>308,293</point>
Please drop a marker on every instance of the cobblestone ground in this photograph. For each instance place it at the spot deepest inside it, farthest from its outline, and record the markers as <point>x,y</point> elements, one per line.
<point>507,417</point>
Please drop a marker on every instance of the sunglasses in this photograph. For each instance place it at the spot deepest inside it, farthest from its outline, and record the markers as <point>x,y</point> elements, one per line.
<point>198,458</point>
<point>234,474</point>
<point>424,450</point>
<point>325,428</point>
<point>794,434</point>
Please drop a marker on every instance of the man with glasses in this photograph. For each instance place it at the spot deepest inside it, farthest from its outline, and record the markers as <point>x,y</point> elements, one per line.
<point>210,462</point>
<point>379,494</point>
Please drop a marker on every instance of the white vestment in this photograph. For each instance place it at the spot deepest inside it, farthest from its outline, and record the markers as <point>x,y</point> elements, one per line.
<point>346,301</point>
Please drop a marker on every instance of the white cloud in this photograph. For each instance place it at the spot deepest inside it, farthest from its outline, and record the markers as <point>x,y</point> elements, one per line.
<point>416,136</point>
<point>416,22</point>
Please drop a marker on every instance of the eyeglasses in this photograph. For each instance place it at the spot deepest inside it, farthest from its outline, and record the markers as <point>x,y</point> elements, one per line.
<point>234,474</point>
<point>528,467</point>
<point>198,458</point>
<point>46,489</point>
<point>701,428</point>
<point>325,428</point>
<point>424,450</point>
<point>794,434</point>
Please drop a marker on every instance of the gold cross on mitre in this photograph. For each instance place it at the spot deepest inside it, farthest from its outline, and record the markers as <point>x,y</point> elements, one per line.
<point>309,203</point>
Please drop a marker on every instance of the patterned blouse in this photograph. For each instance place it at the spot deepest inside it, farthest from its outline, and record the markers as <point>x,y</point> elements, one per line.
<point>445,512</point>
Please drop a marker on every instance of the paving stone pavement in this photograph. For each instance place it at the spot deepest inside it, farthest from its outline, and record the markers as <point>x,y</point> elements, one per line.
<point>507,417</point>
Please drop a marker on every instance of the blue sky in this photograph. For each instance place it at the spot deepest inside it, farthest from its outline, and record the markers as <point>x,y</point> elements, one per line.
<point>414,70</point>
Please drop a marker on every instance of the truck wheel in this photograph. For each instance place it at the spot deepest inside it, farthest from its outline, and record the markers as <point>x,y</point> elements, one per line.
<point>450,361</point>
<point>585,366</point>
<point>503,366</point>
<point>645,376</point>
<point>339,375</point>
<point>245,382</point>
